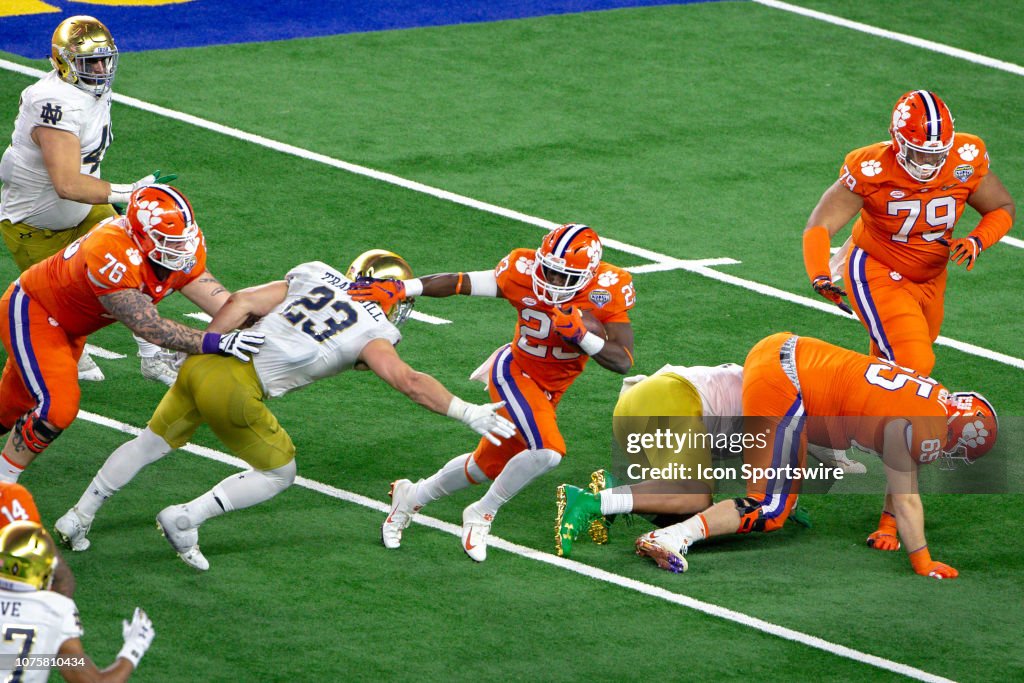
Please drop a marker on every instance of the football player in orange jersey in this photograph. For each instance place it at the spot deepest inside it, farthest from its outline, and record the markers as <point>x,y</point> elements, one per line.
<point>903,416</point>
<point>117,272</point>
<point>910,192</point>
<point>550,288</point>
<point>17,505</point>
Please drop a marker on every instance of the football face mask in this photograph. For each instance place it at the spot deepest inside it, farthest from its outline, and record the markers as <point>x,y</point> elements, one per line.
<point>565,263</point>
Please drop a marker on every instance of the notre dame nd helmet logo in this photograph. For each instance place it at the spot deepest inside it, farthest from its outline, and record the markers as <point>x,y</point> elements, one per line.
<point>51,114</point>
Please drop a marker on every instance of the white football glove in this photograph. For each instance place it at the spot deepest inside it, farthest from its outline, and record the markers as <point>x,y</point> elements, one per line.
<point>120,193</point>
<point>484,420</point>
<point>138,636</point>
<point>237,344</point>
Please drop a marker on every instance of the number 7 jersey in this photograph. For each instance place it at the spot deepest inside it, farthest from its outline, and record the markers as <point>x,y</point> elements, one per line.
<point>317,331</point>
<point>549,360</point>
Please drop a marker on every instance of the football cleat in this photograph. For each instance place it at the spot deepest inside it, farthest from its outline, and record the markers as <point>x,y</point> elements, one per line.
<point>598,529</point>
<point>158,370</point>
<point>475,528</point>
<point>71,531</point>
<point>576,509</point>
<point>174,523</point>
<point>88,371</point>
<point>836,457</point>
<point>658,549</point>
<point>402,512</point>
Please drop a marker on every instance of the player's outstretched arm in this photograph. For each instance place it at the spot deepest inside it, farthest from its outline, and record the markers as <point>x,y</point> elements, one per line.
<point>993,201</point>
<point>834,210</point>
<point>380,356</point>
<point>246,304</point>
<point>901,481</point>
<point>138,636</point>
<point>137,312</point>
<point>440,285</point>
<point>206,292</point>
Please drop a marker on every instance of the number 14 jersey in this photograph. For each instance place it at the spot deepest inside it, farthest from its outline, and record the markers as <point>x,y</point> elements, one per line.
<point>317,331</point>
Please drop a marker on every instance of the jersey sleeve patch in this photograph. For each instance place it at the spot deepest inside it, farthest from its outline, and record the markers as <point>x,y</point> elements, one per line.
<point>51,112</point>
<point>613,294</point>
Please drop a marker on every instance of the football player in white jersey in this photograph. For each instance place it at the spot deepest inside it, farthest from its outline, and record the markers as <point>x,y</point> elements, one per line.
<point>696,399</point>
<point>41,629</point>
<point>52,193</point>
<point>313,329</point>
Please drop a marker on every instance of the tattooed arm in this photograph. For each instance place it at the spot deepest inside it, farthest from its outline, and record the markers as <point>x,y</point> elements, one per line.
<point>206,292</point>
<point>137,312</point>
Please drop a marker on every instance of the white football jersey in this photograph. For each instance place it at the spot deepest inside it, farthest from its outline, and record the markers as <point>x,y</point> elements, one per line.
<point>317,331</point>
<point>721,394</point>
<point>28,195</point>
<point>34,623</point>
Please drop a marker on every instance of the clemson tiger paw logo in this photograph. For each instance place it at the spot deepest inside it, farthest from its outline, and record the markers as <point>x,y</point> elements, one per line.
<point>149,213</point>
<point>524,265</point>
<point>607,278</point>
<point>134,256</point>
<point>900,115</point>
<point>975,434</point>
<point>968,152</point>
<point>870,168</point>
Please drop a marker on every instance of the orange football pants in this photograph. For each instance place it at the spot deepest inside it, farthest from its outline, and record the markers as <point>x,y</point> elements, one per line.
<point>902,317</point>
<point>773,406</point>
<point>41,373</point>
<point>528,406</point>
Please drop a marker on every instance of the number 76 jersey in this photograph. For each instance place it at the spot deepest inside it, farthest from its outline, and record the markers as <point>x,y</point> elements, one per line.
<point>317,331</point>
<point>539,350</point>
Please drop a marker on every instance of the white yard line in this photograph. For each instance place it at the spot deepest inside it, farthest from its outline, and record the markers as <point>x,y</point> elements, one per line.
<point>570,565</point>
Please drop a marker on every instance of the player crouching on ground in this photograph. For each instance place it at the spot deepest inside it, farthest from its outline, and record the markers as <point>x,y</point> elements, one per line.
<point>313,330</point>
<point>907,418</point>
<point>551,288</point>
<point>40,623</point>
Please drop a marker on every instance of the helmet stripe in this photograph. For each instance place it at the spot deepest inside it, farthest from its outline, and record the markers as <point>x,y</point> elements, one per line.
<point>566,239</point>
<point>934,124</point>
<point>182,203</point>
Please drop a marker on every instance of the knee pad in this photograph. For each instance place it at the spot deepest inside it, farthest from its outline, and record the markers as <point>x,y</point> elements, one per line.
<point>35,433</point>
<point>751,515</point>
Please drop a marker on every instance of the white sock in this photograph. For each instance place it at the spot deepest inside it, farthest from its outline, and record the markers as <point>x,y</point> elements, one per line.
<point>519,471</point>
<point>616,501</point>
<point>240,491</point>
<point>119,469</point>
<point>685,533</point>
<point>10,471</point>
<point>449,479</point>
<point>146,349</point>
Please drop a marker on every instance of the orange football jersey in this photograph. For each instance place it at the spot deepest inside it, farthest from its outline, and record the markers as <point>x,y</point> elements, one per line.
<point>542,354</point>
<point>903,219</point>
<point>69,283</point>
<point>17,505</point>
<point>849,389</point>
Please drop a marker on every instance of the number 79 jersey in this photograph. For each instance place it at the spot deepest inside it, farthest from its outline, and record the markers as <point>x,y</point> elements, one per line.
<point>540,351</point>
<point>317,331</point>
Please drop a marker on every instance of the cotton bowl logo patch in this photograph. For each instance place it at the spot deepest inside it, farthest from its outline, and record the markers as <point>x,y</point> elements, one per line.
<point>529,301</point>
<point>897,194</point>
<point>963,172</point>
<point>600,297</point>
<point>896,277</point>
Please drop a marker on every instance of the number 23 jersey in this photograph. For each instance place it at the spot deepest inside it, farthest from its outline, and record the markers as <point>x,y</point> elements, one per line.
<point>317,331</point>
<point>537,348</point>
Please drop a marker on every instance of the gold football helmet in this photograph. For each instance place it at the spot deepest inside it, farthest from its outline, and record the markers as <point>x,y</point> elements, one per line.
<point>384,265</point>
<point>27,556</point>
<point>84,54</point>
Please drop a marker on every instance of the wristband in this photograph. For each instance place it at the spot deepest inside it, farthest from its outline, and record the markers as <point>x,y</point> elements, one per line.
<point>120,193</point>
<point>413,287</point>
<point>591,344</point>
<point>457,408</point>
<point>211,342</point>
<point>132,654</point>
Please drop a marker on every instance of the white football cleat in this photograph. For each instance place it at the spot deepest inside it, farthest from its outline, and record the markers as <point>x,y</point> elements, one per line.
<point>659,548</point>
<point>71,530</point>
<point>475,528</point>
<point>88,371</point>
<point>174,523</point>
<point>158,370</point>
<point>402,512</point>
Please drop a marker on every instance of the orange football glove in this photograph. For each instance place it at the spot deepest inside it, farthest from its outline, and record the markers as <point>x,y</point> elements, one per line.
<point>924,565</point>
<point>823,286</point>
<point>885,537</point>
<point>965,251</point>
<point>384,292</point>
<point>569,324</point>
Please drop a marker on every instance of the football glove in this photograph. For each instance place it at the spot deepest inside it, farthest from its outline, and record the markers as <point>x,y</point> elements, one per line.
<point>241,344</point>
<point>569,324</point>
<point>965,251</point>
<point>823,286</point>
<point>121,193</point>
<point>384,292</point>
<point>138,636</point>
<point>484,420</point>
<point>885,538</point>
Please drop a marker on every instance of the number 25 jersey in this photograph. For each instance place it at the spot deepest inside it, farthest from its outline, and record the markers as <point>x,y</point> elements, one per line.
<point>317,331</point>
